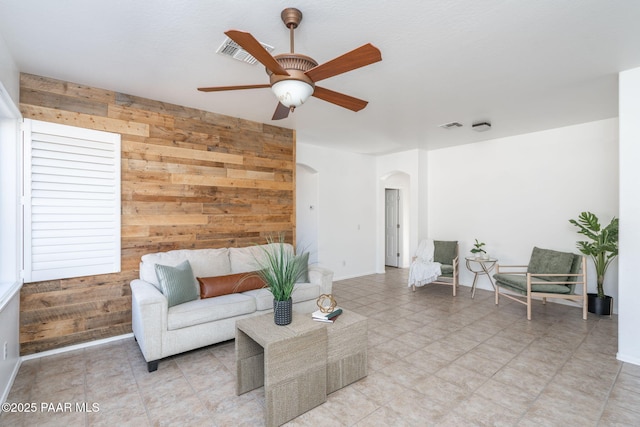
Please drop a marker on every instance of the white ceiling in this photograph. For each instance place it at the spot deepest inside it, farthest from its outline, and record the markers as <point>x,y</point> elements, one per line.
<point>522,65</point>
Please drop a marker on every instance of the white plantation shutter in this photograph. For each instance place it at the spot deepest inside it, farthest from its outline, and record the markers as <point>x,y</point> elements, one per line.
<point>71,203</point>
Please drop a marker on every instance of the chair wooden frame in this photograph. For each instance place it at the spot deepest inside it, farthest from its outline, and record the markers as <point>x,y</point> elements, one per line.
<point>580,280</point>
<point>445,280</point>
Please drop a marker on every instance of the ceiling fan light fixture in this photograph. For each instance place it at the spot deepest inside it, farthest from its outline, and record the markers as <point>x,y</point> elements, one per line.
<point>292,93</point>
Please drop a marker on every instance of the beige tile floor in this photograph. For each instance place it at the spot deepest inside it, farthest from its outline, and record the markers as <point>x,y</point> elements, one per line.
<point>433,360</point>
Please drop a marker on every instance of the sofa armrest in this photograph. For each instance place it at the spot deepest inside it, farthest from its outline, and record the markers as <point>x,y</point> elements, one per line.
<point>321,276</point>
<point>149,308</point>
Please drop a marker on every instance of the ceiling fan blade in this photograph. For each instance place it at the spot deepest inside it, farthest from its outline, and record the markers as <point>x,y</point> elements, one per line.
<point>364,55</point>
<point>221,88</point>
<point>337,98</point>
<point>281,112</point>
<point>253,46</point>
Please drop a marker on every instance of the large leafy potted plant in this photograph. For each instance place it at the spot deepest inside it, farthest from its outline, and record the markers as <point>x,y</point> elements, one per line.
<point>280,269</point>
<point>602,247</point>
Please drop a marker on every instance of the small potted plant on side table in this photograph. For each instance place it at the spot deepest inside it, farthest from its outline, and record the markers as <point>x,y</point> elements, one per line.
<point>602,248</point>
<point>478,252</point>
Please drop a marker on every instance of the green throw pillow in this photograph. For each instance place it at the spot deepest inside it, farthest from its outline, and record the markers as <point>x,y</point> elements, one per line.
<point>177,283</point>
<point>304,260</point>
<point>445,251</point>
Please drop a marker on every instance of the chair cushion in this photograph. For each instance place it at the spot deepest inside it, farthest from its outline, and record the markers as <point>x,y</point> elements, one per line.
<point>177,283</point>
<point>550,262</point>
<point>518,282</point>
<point>447,270</point>
<point>229,284</point>
<point>576,267</point>
<point>445,251</point>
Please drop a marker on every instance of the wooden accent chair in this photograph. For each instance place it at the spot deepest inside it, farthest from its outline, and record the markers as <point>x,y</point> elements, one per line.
<point>446,253</point>
<point>549,274</point>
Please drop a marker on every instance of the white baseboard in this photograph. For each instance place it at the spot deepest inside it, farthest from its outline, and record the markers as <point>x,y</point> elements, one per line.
<point>628,359</point>
<point>353,276</point>
<point>76,347</point>
<point>14,374</point>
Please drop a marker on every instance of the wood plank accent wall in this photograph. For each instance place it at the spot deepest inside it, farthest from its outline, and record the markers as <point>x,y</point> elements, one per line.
<point>190,179</point>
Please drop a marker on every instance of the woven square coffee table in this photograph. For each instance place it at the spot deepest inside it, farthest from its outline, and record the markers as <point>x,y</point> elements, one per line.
<point>300,363</point>
<point>290,361</point>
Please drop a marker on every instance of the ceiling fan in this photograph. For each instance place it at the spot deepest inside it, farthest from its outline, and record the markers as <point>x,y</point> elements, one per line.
<point>293,77</point>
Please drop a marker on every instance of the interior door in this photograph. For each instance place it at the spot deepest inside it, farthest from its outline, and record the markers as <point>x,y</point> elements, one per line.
<point>392,227</point>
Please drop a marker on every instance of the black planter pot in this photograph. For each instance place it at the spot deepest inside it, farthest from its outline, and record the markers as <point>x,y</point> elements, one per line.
<point>282,312</point>
<point>601,306</point>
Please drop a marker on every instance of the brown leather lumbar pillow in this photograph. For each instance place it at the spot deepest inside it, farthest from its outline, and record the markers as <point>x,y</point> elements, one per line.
<point>233,283</point>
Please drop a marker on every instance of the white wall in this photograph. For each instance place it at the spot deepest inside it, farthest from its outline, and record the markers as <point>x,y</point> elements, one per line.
<point>9,74</point>
<point>307,211</point>
<point>519,192</point>
<point>423,203</point>
<point>629,288</point>
<point>346,209</point>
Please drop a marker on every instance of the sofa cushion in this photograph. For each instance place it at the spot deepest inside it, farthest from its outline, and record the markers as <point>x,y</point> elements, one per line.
<point>518,282</point>
<point>305,292</point>
<point>263,298</point>
<point>445,251</point>
<point>244,260</point>
<point>250,258</point>
<point>204,263</point>
<point>301,292</point>
<point>176,283</point>
<point>229,284</point>
<point>550,262</point>
<point>304,274</point>
<point>209,310</point>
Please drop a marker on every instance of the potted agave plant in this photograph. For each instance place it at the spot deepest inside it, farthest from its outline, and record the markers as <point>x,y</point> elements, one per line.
<point>280,269</point>
<point>602,248</point>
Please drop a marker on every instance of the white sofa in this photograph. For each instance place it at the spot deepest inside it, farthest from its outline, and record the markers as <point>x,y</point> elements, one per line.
<point>163,331</point>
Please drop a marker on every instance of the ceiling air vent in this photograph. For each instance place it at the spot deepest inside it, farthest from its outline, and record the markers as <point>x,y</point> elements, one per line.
<point>233,49</point>
<point>481,127</point>
<point>451,125</point>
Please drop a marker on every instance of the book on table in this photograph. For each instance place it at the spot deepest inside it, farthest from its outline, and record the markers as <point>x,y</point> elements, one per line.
<point>326,317</point>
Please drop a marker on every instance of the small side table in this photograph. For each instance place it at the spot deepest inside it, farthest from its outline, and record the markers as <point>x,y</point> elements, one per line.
<point>486,265</point>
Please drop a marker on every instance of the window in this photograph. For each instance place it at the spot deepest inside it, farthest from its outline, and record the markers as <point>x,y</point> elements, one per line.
<point>71,202</point>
